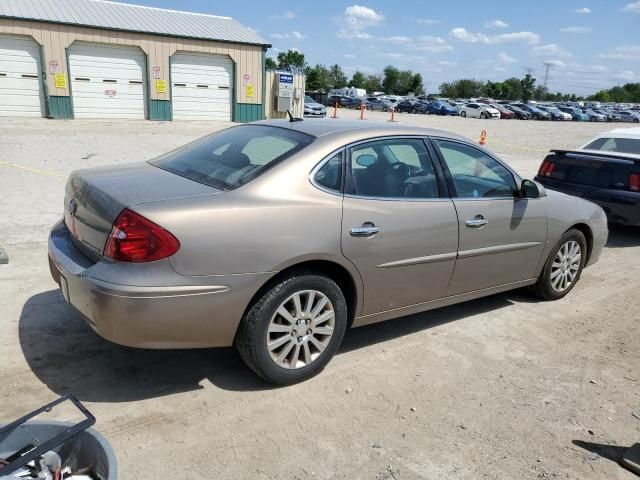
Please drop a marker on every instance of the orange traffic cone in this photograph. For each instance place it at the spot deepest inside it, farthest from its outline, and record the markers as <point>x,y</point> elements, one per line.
<point>362,111</point>
<point>335,111</point>
<point>483,137</point>
<point>393,114</point>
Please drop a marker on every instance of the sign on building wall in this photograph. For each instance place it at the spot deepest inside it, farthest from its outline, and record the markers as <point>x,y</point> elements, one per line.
<point>250,91</point>
<point>156,72</point>
<point>53,66</point>
<point>161,86</point>
<point>60,80</point>
<point>246,79</point>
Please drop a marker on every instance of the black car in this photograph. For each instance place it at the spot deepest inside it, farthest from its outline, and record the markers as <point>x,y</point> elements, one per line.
<point>344,101</point>
<point>412,106</point>
<point>606,171</point>
<point>518,112</point>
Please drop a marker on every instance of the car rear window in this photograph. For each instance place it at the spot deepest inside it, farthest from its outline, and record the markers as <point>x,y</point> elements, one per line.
<point>619,145</point>
<point>235,156</point>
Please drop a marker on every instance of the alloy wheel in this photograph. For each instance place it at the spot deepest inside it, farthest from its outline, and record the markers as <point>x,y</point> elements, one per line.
<point>566,266</point>
<point>300,329</point>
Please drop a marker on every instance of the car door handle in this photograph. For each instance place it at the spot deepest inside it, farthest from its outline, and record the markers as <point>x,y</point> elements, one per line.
<point>366,230</point>
<point>477,222</point>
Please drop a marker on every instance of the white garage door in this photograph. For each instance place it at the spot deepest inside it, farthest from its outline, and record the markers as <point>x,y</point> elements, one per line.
<point>201,87</point>
<point>107,81</point>
<point>21,92</point>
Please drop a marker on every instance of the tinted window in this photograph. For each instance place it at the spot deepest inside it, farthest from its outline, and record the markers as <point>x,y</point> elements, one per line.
<point>620,145</point>
<point>330,174</point>
<point>394,168</point>
<point>474,173</point>
<point>235,156</point>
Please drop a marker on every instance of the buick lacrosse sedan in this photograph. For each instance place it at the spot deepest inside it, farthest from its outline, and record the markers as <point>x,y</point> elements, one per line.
<point>277,236</point>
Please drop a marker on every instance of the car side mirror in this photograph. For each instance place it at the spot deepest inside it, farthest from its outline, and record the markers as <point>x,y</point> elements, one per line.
<point>529,189</point>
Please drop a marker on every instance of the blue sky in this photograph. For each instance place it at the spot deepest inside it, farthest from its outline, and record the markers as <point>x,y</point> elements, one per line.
<point>589,44</point>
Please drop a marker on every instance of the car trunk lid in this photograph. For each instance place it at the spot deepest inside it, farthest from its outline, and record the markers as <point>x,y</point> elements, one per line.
<point>94,199</point>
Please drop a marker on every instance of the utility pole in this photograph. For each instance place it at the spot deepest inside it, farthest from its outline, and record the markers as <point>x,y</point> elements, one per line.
<point>528,70</point>
<point>547,67</point>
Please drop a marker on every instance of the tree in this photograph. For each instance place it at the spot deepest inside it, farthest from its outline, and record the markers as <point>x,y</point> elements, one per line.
<point>337,78</point>
<point>465,88</point>
<point>292,61</point>
<point>528,84</point>
<point>318,79</point>
<point>270,64</point>
<point>373,83</point>
<point>358,80</point>
<point>417,87</point>
<point>390,80</point>
<point>627,93</point>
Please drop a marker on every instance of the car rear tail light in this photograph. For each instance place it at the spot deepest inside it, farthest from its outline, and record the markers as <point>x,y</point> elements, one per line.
<point>135,239</point>
<point>546,169</point>
<point>634,182</point>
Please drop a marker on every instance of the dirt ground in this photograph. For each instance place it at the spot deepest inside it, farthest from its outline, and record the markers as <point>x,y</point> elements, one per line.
<point>499,388</point>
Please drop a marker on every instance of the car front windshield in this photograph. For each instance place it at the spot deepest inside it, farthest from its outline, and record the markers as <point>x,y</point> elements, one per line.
<point>618,145</point>
<point>232,157</point>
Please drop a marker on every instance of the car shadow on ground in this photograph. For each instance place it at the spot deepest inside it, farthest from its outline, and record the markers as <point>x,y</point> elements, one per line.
<point>610,452</point>
<point>68,357</point>
<point>621,236</point>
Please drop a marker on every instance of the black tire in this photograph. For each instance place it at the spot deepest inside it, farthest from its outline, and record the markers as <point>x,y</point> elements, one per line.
<point>251,338</point>
<point>543,288</point>
<point>482,115</point>
<point>636,120</point>
<point>463,114</point>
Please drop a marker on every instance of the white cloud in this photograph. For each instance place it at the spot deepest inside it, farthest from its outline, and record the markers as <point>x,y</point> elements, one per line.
<point>623,52</point>
<point>584,10</point>
<point>576,29</point>
<point>355,20</point>
<point>427,21</point>
<point>549,50</point>
<point>397,39</point>
<point>500,69</point>
<point>427,43</point>
<point>294,35</point>
<point>349,55</point>
<point>463,35</point>
<point>288,15</point>
<point>504,58</point>
<point>447,63</point>
<point>400,56</point>
<point>496,24</point>
<point>626,75</point>
<point>633,7</point>
<point>556,63</point>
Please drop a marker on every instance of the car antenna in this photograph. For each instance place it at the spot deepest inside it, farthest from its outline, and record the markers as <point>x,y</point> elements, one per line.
<point>292,118</point>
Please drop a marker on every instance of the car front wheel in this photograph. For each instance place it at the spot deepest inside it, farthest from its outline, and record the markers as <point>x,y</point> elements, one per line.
<point>563,267</point>
<point>463,114</point>
<point>293,329</point>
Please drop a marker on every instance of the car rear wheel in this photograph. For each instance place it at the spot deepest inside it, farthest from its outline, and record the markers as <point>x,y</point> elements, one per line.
<point>482,115</point>
<point>563,267</point>
<point>636,120</point>
<point>463,114</point>
<point>293,329</point>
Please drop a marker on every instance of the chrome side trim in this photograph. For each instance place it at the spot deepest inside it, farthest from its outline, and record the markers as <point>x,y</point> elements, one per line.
<point>130,291</point>
<point>442,257</point>
<point>497,249</point>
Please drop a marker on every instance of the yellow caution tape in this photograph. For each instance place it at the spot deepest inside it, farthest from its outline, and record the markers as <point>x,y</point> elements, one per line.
<point>518,147</point>
<point>32,170</point>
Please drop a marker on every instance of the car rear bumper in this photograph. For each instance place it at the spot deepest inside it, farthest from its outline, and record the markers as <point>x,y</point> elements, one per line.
<point>621,207</point>
<point>172,311</point>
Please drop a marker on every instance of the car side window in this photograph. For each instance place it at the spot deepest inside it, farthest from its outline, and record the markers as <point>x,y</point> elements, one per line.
<point>474,173</point>
<point>329,175</point>
<point>392,168</point>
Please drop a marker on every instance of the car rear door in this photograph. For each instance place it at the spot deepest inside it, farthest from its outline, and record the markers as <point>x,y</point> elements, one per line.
<point>399,227</point>
<point>502,236</point>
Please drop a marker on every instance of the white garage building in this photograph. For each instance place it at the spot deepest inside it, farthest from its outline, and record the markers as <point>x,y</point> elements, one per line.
<point>97,59</point>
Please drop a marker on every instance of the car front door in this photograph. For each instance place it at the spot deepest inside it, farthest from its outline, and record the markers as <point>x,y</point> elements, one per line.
<point>502,235</point>
<point>399,228</point>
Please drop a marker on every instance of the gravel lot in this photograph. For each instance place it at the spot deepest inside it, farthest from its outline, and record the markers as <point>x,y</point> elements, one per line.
<point>499,388</point>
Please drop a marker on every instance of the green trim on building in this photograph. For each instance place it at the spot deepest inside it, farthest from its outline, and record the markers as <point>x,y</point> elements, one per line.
<point>68,73</point>
<point>248,112</point>
<point>264,81</point>
<point>60,107</point>
<point>234,99</point>
<point>160,110</point>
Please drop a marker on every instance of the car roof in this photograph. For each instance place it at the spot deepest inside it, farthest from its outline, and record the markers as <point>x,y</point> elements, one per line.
<point>632,132</point>
<point>359,128</point>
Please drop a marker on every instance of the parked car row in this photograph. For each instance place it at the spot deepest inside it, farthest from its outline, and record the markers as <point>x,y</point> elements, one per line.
<point>484,108</point>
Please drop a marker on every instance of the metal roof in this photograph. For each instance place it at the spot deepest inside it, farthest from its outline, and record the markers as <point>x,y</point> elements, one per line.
<point>133,18</point>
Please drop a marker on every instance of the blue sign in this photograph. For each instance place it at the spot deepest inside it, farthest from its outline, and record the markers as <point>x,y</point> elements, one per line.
<point>286,78</point>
